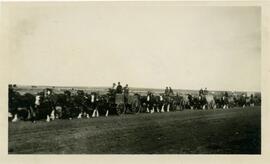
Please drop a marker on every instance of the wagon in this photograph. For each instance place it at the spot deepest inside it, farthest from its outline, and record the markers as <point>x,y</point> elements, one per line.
<point>133,103</point>
<point>130,104</point>
<point>120,104</point>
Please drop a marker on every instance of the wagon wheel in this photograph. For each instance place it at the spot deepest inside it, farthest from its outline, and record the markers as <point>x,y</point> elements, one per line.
<point>138,109</point>
<point>120,108</point>
<point>135,108</point>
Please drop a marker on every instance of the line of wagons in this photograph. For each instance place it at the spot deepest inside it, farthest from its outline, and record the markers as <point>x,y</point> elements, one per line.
<point>69,106</point>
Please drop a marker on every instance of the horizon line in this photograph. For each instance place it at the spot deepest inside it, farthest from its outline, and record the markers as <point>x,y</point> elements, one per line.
<point>219,90</point>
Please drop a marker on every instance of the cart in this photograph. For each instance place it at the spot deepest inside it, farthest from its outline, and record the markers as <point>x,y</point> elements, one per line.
<point>120,104</point>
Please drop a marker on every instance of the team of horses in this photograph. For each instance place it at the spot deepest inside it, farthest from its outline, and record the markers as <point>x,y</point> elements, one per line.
<point>70,106</point>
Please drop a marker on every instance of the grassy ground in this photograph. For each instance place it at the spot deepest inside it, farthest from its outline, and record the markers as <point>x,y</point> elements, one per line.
<point>233,131</point>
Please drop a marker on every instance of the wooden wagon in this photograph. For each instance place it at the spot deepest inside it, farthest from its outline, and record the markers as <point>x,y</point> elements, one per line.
<point>120,103</point>
<point>127,103</point>
<point>133,103</point>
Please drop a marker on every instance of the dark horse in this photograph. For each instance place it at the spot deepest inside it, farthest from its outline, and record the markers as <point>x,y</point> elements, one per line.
<point>44,106</point>
<point>20,106</point>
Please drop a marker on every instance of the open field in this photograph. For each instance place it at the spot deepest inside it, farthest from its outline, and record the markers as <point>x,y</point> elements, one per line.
<point>232,131</point>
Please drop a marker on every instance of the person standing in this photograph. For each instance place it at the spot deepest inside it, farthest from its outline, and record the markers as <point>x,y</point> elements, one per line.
<point>126,90</point>
<point>201,92</point>
<point>205,92</point>
<point>166,91</point>
<point>226,94</point>
<point>119,88</point>
<point>112,90</point>
<point>114,86</point>
<point>126,93</point>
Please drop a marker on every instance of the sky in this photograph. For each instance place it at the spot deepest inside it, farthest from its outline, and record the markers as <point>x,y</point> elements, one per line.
<point>143,45</point>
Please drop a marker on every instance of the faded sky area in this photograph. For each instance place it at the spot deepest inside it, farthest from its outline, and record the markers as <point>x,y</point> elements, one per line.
<point>96,44</point>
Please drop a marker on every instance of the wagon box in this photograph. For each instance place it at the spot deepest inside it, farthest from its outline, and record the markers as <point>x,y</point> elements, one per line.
<point>131,99</point>
<point>119,99</point>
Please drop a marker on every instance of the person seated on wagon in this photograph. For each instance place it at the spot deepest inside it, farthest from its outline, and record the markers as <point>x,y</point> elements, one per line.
<point>226,94</point>
<point>112,90</point>
<point>119,88</point>
<point>126,92</point>
<point>201,92</point>
<point>114,86</point>
<point>205,92</point>
<point>166,91</point>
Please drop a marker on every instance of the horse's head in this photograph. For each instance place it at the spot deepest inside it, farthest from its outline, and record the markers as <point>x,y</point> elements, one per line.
<point>37,99</point>
<point>67,93</point>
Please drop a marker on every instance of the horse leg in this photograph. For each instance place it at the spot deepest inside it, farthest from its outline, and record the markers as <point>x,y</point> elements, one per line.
<point>87,113</point>
<point>152,110</point>
<point>10,114</point>
<point>52,114</point>
<point>28,114</point>
<point>80,115</point>
<point>48,118</point>
<point>70,113</point>
<point>97,113</point>
<point>60,112</point>
<point>107,113</point>
<point>94,113</point>
<point>168,108</point>
<point>33,114</point>
<point>15,119</point>
<point>147,109</point>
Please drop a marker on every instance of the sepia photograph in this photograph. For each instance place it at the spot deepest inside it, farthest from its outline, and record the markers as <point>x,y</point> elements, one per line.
<point>133,78</point>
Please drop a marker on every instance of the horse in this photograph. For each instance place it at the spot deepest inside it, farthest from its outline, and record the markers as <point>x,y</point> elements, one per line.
<point>197,102</point>
<point>150,103</point>
<point>59,101</point>
<point>133,103</point>
<point>186,102</point>
<point>168,103</point>
<point>70,109</point>
<point>44,107</point>
<point>231,102</point>
<point>177,102</point>
<point>208,102</point>
<point>20,106</point>
<point>241,101</point>
<point>225,102</point>
<point>144,104</point>
<point>160,103</point>
<point>102,105</point>
<point>257,101</point>
<point>84,104</point>
<point>92,102</point>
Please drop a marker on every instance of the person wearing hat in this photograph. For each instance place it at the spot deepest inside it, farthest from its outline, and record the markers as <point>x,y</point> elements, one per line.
<point>205,91</point>
<point>126,92</point>
<point>119,88</point>
<point>201,92</point>
<point>114,86</point>
<point>166,91</point>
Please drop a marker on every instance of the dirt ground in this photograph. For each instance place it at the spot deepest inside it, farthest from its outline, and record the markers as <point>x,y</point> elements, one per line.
<point>231,131</point>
